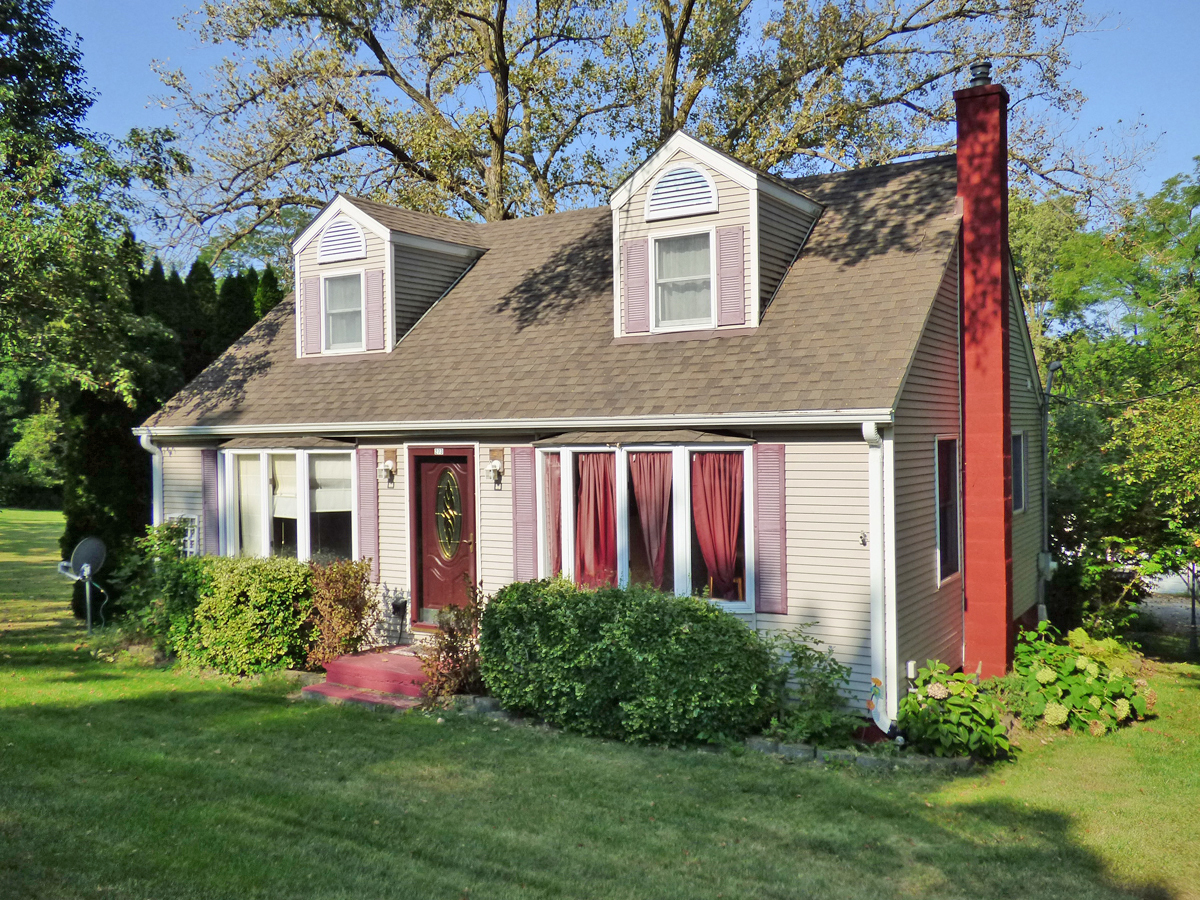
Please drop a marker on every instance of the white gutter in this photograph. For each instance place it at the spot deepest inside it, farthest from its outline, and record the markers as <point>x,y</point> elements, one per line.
<point>156,473</point>
<point>847,417</point>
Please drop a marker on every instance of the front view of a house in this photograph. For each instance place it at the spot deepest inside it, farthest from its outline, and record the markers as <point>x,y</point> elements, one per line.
<point>814,401</point>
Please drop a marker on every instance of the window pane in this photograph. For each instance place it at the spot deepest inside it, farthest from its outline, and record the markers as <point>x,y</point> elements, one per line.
<point>330,506</point>
<point>283,504</point>
<point>343,312</point>
<point>683,290</point>
<point>718,535</point>
<point>552,487</point>
<point>1018,472</point>
<point>249,503</point>
<point>947,521</point>
<point>650,526</point>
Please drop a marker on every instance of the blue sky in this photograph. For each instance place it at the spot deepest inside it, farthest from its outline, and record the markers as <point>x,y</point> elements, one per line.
<point>1145,63</point>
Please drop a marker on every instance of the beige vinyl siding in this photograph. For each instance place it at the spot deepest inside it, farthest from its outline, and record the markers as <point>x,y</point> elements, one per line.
<point>495,522</point>
<point>782,229</point>
<point>183,489</point>
<point>929,616</point>
<point>733,208</point>
<point>376,258</point>
<point>828,568</point>
<point>393,525</point>
<point>1025,409</point>
<point>422,277</point>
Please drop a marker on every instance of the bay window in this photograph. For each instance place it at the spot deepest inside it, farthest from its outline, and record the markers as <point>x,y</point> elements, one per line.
<point>683,281</point>
<point>296,504</point>
<point>672,518</point>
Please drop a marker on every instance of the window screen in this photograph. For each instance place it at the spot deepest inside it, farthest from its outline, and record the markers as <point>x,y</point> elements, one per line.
<point>343,313</point>
<point>947,507</point>
<point>683,286</point>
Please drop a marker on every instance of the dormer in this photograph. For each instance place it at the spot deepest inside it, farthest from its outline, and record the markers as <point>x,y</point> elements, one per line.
<point>365,273</point>
<point>701,242</point>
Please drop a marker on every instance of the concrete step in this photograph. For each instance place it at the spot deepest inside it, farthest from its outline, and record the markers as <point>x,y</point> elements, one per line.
<point>336,693</point>
<point>386,671</point>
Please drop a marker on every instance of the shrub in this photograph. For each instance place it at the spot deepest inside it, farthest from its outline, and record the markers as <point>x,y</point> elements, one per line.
<point>1081,684</point>
<point>635,664</point>
<point>343,610</point>
<point>451,660</point>
<point>160,588</point>
<point>813,708</point>
<point>252,617</point>
<point>952,715</point>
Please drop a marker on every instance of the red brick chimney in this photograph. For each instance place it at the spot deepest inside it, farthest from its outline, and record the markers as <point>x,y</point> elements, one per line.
<point>982,111</point>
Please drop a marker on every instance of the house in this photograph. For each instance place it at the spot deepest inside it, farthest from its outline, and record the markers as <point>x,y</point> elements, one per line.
<point>814,400</point>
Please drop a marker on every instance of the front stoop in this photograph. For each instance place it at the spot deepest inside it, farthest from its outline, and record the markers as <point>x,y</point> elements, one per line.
<point>389,678</point>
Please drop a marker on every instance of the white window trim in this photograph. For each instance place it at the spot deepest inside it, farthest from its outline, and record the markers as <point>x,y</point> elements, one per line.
<point>1024,473</point>
<point>303,538</point>
<point>655,327</point>
<point>938,580</point>
<point>362,314</point>
<point>695,166</point>
<point>681,509</point>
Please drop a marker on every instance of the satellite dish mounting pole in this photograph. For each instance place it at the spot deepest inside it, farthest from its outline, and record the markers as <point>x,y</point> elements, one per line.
<point>87,594</point>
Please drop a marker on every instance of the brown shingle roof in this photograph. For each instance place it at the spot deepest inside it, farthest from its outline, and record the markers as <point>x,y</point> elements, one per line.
<point>527,333</point>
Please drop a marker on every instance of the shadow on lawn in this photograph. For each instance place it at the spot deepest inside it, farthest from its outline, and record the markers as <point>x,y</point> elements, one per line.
<point>224,793</point>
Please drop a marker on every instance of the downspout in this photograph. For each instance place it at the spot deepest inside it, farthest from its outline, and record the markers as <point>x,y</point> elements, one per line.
<point>156,476</point>
<point>875,540</point>
<point>1046,566</point>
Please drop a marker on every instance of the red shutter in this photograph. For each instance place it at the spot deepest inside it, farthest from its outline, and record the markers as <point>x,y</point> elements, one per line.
<point>731,276</point>
<point>368,509</point>
<point>635,263</point>
<point>524,503</point>
<point>310,294</point>
<point>770,529</point>
<point>374,305</point>
<point>211,510</point>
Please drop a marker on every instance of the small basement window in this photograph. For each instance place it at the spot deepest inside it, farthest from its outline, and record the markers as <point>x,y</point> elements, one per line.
<point>344,312</point>
<point>683,281</point>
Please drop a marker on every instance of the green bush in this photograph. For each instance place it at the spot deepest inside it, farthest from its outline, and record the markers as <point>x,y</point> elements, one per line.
<point>636,664</point>
<point>252,617</point>
<point>813,708</point>
<point>343,608</point>
<point>952,715</point>
<point>1081,684</point>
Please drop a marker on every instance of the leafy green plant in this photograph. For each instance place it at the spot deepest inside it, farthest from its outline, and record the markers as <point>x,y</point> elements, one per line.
<point>451,659</point>
<point>252,617</point>
<point>634,664</point>
<point>813,707</point>
<point>951,714</point>
<point>343,608</point>
<point>1063,685</point>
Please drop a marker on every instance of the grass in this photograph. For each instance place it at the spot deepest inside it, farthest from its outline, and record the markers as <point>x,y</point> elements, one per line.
<point>128,781</point>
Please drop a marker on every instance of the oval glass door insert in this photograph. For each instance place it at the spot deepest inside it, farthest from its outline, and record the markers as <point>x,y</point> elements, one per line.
<point>449,514</point>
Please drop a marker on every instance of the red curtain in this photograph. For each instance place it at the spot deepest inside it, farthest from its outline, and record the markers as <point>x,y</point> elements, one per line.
<point>552,484</point>
<point>596,520</point>
<point>717,513</point>
<point>651,474</point>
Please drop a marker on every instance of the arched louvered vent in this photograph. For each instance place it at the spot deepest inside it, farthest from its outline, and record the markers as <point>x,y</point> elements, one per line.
<point>341,239</point>
<point>681,192</point>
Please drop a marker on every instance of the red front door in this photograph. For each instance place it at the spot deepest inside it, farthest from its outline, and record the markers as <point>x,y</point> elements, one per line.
<point>445,532</point>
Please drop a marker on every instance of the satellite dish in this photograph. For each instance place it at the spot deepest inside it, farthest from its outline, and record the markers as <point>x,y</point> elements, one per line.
<point>89,552</point>
<point>86,560</point>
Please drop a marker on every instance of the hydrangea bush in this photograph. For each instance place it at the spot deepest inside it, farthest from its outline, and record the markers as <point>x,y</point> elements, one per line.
<point>951,714</point>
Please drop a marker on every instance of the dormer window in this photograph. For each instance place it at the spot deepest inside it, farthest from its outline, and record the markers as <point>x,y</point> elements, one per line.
<point>682,191</point>
<point>344,312</point>
<point>683,286</point>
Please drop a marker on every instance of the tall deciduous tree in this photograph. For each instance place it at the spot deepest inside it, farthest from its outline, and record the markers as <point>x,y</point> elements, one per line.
<point>501,108</point>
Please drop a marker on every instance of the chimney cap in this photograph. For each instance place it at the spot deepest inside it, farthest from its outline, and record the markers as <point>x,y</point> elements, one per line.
<point>981,73</point>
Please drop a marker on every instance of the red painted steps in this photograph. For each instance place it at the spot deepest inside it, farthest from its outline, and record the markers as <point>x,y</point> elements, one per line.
<point>372,678</point>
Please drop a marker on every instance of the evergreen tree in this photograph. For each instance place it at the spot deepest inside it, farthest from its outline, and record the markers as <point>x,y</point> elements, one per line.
<point>234,311</point>
<point>269,292</point>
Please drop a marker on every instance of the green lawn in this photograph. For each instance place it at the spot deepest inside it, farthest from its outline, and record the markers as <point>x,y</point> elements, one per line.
<point>122,781</point>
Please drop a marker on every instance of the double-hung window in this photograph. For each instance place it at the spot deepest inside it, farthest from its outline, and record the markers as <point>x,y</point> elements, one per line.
<point>344,312</point>
<point>683,281</point>
<point>946,465</point>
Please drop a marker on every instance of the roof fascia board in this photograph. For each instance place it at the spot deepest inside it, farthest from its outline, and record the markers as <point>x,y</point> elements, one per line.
<point>1026,335</point>
<point>582,423</point>
<point>734,171</point>
<point>435,245</point>
<point>790,197</point>
<point>341,205</point>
